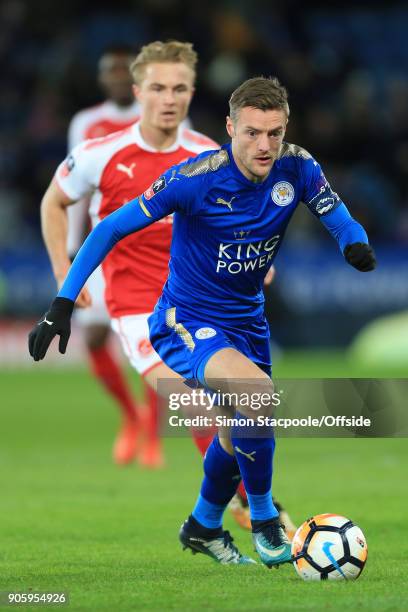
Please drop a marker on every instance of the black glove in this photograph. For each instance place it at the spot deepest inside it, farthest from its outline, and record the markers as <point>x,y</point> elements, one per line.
<point>57,321</point>
<point>360,256</point>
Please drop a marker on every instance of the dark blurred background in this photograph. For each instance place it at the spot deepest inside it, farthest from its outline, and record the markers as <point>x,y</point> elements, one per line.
<point>346,68</point>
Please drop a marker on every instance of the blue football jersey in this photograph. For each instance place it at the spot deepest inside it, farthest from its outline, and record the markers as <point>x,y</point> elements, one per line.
<point>227,229</point>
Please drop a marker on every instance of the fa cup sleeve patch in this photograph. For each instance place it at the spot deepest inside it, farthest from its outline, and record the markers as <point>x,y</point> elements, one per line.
<point>158,185</point>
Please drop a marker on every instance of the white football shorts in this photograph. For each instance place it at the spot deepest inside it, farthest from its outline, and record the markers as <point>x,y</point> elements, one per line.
<point>133,332</point>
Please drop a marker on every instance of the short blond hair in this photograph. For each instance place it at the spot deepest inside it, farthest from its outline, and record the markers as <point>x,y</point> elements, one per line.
<point>171,51</point>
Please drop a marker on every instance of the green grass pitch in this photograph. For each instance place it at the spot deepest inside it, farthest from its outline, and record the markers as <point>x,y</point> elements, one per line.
<point>71,520</point>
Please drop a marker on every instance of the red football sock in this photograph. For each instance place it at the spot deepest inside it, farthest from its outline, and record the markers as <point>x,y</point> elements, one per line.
<point>152,418</point>
<point>106,369</point>
<point>241,491</point>
<point>202,439</point>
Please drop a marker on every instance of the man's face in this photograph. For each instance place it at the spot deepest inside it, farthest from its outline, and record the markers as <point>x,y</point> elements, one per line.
<point>256,139</point>
<point>115,78</point>
<point>165,94</point>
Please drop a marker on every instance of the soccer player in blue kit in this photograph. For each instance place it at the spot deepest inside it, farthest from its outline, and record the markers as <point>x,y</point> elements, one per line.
<point>231,209</point>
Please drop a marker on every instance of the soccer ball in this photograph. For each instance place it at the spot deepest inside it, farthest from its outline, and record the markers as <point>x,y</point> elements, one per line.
<point>329,546</point>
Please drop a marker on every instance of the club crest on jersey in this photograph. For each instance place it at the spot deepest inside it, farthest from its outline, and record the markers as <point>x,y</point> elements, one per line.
<point>158,185</point>
<point>205,332</point>
<point>283,193</point>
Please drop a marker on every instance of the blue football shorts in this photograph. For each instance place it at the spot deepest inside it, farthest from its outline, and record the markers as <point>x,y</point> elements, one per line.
<point>186,344</point>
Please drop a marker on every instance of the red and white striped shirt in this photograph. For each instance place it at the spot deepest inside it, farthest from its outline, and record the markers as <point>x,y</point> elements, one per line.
<point>116,169</point>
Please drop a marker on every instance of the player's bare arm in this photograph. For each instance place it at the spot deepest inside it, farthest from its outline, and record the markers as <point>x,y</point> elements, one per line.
<point>129,218</point>
<point>54,224</point>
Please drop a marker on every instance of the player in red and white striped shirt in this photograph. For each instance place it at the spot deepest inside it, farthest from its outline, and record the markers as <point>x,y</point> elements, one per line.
<point>105,173</point>
<point>118,111</point>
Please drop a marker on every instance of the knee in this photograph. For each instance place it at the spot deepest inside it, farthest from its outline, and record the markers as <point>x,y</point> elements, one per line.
<point>258,398</point>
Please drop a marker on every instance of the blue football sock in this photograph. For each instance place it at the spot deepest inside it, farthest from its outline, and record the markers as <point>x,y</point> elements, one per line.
<point>220,483</point>
<point>208,514</point>
<point>255,457</point>
<point>261,506</point>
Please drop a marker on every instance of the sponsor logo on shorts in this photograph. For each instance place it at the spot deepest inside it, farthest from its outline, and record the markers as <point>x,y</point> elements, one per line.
<point>283,193</point>
<point>205,332</point>
<point>144,347</point>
